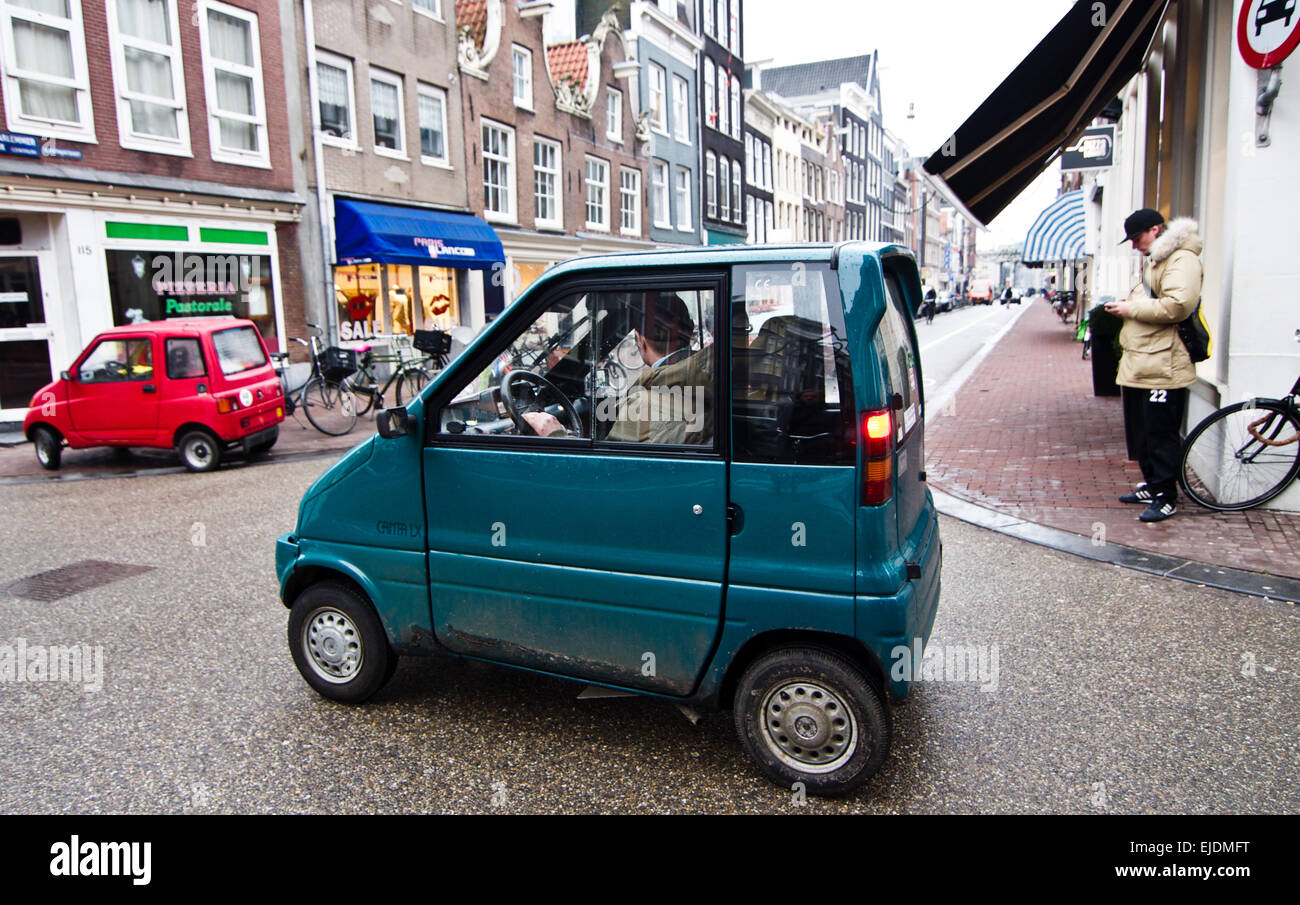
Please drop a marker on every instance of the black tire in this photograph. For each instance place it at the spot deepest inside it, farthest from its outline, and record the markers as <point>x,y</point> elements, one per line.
<point>49,448</point>
<point>329,406</point>
<point>199,450</point>
<point>830,702</point>
<point>365,395</point>
<point>338,643</point>
<point>1257,471</point>
<point>409,385</point>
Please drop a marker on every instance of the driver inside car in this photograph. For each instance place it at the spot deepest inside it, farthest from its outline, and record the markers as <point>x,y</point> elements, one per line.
<point>670,400</point>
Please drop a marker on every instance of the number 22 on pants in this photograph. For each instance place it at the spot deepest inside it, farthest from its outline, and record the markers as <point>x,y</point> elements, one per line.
<point>1158,396</point>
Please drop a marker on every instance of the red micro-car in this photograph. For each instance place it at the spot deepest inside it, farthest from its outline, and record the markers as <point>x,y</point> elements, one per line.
<point>199,386</point>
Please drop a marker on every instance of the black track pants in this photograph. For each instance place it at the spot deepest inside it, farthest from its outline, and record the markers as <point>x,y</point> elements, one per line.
<point>1153,429</point>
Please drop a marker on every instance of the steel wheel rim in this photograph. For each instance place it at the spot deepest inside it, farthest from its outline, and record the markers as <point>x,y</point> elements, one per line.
<point>332,643</point>
<point>199,453</point>
<point>809,727</point>
<point>44,450</point>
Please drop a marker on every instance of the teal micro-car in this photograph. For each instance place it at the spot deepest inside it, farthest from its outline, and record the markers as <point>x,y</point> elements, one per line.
<point>696,475</point>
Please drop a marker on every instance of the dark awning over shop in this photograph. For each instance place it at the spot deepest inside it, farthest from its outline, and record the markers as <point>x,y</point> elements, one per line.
<point>1046,102</point>
<point>367,232</point>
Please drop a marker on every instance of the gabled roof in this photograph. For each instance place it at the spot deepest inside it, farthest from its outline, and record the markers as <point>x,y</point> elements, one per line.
<point>804,79</point>
<point>472,14</point>
<point>568,63</point>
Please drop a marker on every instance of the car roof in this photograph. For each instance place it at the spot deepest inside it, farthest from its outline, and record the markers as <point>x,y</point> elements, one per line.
<point>716,254</point>
<point>181,325</point>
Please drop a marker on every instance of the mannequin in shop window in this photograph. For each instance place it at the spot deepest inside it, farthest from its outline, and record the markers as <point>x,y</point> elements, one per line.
<point>400,306</point>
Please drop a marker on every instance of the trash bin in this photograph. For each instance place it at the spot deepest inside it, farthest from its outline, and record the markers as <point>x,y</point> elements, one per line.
<point>1105,350</point>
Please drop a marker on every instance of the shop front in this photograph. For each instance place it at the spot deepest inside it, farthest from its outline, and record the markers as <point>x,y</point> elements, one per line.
<point>402,269</point>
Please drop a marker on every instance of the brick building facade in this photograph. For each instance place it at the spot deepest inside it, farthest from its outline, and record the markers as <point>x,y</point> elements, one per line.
<point>147,167</point>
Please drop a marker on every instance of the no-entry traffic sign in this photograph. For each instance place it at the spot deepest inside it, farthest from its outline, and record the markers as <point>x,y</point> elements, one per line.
<point>1267,31</point>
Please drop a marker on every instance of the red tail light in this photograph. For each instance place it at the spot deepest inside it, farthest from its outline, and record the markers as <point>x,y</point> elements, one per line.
<point>226,405</point>
<point>877,457</point>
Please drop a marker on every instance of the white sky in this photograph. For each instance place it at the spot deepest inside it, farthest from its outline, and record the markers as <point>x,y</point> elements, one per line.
<point>944,56</point>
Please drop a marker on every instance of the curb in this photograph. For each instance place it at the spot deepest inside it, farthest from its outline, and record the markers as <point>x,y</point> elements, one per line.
<point>1256,584</point>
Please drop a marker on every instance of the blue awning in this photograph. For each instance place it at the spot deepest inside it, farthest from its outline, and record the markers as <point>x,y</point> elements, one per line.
<point>1059,232</point>
<point>366,232</point>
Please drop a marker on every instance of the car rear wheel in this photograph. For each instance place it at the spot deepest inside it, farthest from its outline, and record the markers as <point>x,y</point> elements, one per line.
<point>338,643</point>
<point>199,451</point>
<point>49,448</point>
<point>810,716</point>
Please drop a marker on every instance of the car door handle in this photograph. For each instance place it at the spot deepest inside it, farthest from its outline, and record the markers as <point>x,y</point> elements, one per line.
<point>149,388</point>
<point>735,519</point>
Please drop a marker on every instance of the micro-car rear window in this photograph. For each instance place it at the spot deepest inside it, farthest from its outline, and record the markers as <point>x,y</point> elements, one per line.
<point>238,349</point>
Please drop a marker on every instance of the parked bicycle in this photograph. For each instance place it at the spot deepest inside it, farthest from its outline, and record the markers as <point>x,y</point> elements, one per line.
<point>408,376</point>
<point>329,406</point>
<point>1245,454</point>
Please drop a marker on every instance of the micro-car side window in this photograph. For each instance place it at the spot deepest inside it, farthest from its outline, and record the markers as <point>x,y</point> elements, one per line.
<point>895,343</point>
<point>656,367</point>
<point>118,360</point>
<point>791,375</point>
<point>537,384</point>
<point>184,358</point>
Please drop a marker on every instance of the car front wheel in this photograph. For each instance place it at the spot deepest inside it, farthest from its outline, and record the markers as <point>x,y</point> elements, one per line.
<point>338,643</point>
<point>49,448</point>
<point>810,716</point>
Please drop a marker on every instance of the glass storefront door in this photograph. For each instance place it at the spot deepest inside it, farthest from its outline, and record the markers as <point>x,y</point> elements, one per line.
<point>24,334</point>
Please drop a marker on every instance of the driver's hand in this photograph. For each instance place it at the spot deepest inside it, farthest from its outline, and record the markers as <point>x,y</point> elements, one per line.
<point>544,423</point>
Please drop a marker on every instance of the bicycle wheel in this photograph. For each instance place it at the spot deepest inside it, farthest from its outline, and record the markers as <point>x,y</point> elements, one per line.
<point>329,407</point>
<point>1241,456</point>
<point>365,394</point>
<point>409,385</point>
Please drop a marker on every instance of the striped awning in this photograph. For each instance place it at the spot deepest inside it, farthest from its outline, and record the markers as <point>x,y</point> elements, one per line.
<point>1059,232</point>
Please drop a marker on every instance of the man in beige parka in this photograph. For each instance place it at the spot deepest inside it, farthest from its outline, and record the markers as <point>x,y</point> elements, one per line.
<point>1155,368</point>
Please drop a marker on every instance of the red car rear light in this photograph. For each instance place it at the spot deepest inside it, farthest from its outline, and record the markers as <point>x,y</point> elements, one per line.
<point>226,405</point>
<point>877,457</point>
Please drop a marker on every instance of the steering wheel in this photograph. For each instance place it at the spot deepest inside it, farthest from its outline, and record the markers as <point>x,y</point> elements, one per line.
<point>116,370</point>
<point>540,386</point>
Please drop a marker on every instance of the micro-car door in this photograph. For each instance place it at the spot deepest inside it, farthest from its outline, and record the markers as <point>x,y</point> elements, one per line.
<point>793,477</point>
<point>113,395</point>
<point>576,498</point>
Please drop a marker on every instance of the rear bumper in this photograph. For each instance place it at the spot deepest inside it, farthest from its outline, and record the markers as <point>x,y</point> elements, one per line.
<point>270,434</point>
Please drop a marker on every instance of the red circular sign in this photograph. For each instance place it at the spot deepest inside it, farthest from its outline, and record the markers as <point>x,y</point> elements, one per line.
<point>1267,31</point>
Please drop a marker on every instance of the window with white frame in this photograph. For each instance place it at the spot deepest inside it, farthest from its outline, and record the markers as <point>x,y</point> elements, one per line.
<point>724,121</point>
<point>709,20</point>
<point>336,99</point>
<point>737,187</point>
<point>683,179</point>
<point>232,77</point>
<point>546,182</point>
<point>498,171</point>
<point>522,61</point>
<point>724,189</point>
<point>734,44</point>
<point>767,166</point>
<point>681,109</point>
<point>736,118</point>
<point>432,103</point>
<point>629,201</point>
<point>658,100</point>
<point>148,75</point>
<point>614,114</point>
<point>710,96</point>
<point>711,185</point>
<point>46,81</point>
<point>659,187</point>
<point>597,180</point>
<point>428,7</point>
<point>750,226</point>
<point>720,20</point>
<point>749,157</point>
<point>386,112</point>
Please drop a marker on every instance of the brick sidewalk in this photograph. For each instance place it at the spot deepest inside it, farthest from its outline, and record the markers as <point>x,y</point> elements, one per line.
<point>1026,437</point>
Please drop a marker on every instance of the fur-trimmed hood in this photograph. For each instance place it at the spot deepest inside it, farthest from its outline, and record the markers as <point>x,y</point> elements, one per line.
<point>1180,233</point>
